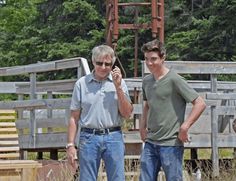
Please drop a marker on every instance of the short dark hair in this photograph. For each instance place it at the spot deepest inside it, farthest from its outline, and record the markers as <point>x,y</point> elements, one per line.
<point>156,46</point>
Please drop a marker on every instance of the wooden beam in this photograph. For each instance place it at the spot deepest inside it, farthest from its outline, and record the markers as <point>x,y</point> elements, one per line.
<point>197,67</point>
<point>7,111</point>
<point>9,155</point>
<point>36,104</point>
<point>41,67</point>
<point>221,96</point>
<point>43,123</point>
<point>17,164</point>
<point>7,124</point>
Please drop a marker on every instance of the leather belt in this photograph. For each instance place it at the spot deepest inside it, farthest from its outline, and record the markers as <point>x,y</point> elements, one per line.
<point>100,131</point>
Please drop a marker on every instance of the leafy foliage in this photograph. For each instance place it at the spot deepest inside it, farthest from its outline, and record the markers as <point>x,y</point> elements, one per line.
<point>46,30</point>
<point>205,34</point>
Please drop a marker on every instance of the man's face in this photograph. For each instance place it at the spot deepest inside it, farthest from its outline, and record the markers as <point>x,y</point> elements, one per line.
<point>153,61</point>
<point>102,67</point>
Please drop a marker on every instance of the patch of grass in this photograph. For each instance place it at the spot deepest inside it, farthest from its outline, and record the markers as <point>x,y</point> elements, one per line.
<point>132,168</point>
<point>206,153</point>
<point>46,155</point>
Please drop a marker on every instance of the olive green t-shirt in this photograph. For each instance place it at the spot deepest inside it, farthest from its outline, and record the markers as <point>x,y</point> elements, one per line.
<point>167,100</point>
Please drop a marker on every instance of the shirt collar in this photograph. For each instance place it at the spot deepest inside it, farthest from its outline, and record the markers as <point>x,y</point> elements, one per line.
<point>92,77</point>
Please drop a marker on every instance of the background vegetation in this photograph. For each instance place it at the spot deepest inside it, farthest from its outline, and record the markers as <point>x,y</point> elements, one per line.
<point>46,30</point>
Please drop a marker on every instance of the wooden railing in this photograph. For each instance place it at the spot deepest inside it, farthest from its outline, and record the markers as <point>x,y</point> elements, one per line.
<point>42,119</point>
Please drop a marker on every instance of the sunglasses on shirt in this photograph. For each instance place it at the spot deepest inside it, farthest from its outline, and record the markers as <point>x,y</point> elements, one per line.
<point>104,63</point>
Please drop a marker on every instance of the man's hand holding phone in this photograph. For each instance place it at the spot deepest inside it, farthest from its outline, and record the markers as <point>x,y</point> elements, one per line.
<point>116,76</point>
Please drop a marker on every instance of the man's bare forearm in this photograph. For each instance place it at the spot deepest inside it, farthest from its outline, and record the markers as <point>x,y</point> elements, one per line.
<point>125,107</point>
<point>72,127</point>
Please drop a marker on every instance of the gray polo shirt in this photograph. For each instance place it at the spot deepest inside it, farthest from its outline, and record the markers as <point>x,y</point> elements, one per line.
<point>97,101</point>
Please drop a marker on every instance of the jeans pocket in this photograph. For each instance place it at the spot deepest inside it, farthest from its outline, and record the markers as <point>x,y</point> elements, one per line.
<point>85,138</point>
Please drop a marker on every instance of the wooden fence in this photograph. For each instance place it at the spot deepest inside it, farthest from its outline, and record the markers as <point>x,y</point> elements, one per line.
<point>39,126</point>
<point>42,119</point>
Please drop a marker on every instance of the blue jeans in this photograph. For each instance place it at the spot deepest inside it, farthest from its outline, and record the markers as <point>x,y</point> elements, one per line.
<point>109,147</point>
<point>154,157</point>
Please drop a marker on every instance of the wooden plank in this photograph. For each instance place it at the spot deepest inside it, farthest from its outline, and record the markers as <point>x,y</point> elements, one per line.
<point>43,123</point>
<point>3,70</point>
<point>7,117</point>
<point>10,173</point>
<point>29,174</point>
<point>197,67</point>
<point>221,96</point>
<point>67,85</point>
<point>14,148</point>
<point>18,164</point>
<point>45,86</point>
<point>11,177</point>
<point>130,141</point>
<point>226,110</point>
<point>37,104</point>
<point>68,63</point>
<point>9,149</point>
<point>41,67</point>
<point>44,140</point>
<point>8,136</point>
<point>10,155</point>
<point>225,140</point>
<point>132,137</point>
<point>7,124</point>
<point>7,111</point>
<point>225,85</point>
<point>7,130</point>
<point>8,87</point>
<point>43,113</point>
<point>199,85</point>
<point>204,141</point>
<point>9,143</point>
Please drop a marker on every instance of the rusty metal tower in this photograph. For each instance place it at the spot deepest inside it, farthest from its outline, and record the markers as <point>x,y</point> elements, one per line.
<point>156,24</point>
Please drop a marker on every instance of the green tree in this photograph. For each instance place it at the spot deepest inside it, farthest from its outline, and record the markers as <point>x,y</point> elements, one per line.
<point>14,17</point>
<point>56,30</point>
<point>206,33</point>
<point>46,30</point>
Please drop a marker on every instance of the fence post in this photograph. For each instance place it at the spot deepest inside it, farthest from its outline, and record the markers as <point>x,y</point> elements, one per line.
<point>214,130</point>
<point>32,111</point>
